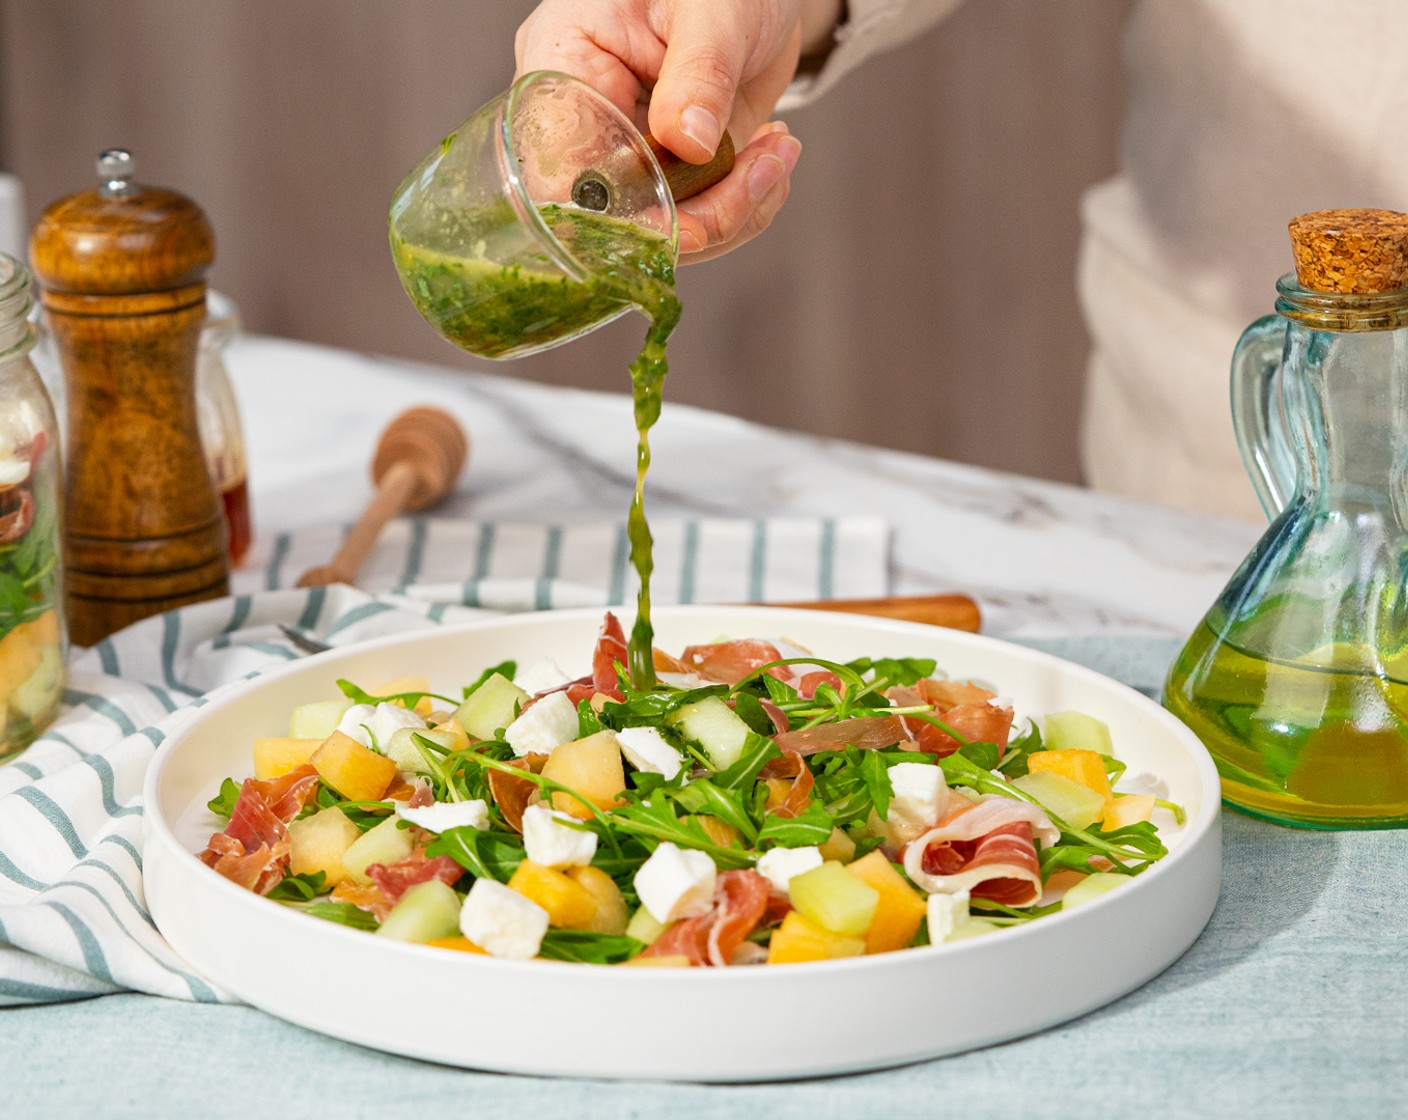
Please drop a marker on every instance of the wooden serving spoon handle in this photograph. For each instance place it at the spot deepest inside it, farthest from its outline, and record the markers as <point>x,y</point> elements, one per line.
<point>957,612</point>
<point>418,459</point>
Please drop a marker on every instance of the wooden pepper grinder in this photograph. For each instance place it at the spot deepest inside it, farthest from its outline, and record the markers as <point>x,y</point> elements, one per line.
<point>122,268</point>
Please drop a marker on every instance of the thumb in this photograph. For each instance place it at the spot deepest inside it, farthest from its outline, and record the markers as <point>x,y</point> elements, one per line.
<point>699,78</point>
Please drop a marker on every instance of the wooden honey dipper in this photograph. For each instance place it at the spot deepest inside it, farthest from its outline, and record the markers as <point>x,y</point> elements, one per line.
<point>418,460</point>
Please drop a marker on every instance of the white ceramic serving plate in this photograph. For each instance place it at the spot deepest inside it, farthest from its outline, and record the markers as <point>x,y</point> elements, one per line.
<point>744,1024</point>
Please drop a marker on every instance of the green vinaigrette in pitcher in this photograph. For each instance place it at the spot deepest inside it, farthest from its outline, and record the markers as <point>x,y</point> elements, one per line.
<point>1297,679</point>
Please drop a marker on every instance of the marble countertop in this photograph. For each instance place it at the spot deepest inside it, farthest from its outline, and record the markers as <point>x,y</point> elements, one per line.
<point>1042,559</point>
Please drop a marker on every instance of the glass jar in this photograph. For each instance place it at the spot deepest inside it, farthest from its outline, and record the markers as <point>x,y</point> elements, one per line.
<point>33,637</point>
<point>221,433</point>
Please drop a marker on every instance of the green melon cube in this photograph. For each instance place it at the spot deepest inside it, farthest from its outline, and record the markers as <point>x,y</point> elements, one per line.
<point>317,720</point>
<point>426,911</point>
<point>716,727</point>
<point>1078,805</point>
<point>491,707</point>
<point>386,842</point>
<point>1077,731</point>
<point>834,899</point>
<point>1091,888</point>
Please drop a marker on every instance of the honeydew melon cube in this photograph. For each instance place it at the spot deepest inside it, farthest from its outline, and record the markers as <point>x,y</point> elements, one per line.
<point>401,749</point>
<point>834,900</point>
<point>491,707</point>
<point>716,727</point>
<point>317,720</point>
<point>1077,731</point>
<point>1131,808</point>
<point>644,927</point>
<point>1078,805</point>
<point>610,914</point>
<point>386,842</point>
<point>1091,888</point>
<point>319,842</point>
<point>427,911</point>
<point>839,847</point>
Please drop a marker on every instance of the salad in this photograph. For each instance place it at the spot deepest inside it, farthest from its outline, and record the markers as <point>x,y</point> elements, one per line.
<point>755,804</point>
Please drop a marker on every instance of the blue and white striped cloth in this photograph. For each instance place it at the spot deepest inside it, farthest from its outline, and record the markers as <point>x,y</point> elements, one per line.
<point>73,922</point>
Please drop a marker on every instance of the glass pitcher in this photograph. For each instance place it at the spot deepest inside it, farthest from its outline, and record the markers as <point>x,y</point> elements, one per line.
<point>1297,679</point>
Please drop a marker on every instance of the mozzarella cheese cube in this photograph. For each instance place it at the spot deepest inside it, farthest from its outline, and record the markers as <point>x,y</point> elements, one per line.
<point>549,723</point>
<point>541,676</point>
<point>946,913</point>
<point>551,842</point>
<point>676,883</point>
<point>388,719</point>
<point>779,865</point>
<point>502,922</point>
<point>440,816</point>
<point>920,794</point>
<point>646,749</point>
<point>354,723</point>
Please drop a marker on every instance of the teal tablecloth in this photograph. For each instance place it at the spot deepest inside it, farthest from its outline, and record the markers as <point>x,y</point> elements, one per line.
<point>1293,1003</point>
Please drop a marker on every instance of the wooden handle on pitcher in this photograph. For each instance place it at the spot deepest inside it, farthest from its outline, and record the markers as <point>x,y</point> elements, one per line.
<point>957,612</point>
<point>688,179</point>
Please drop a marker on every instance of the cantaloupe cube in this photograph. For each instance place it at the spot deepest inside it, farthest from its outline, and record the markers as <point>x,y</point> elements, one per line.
<point>319,842</point>
<point>673,960</point>
<point>19,657</point>
<point>797,939</point>
<point>610,914</point>
<point>399,685</point>
<point>355,771</point>
<point>1085,767</point>
<point>590,766</point>
<point>839,847</point>
<point>834,900</point>
<point>900,909</point>
<point>719,832</point>
<point>459,944</point>
<point>569,904</point>
<point>276,756</point>
<point>1129,809</point>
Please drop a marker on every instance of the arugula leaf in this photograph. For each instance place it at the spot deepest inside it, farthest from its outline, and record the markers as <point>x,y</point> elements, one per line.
<point>727,805</point>
<point>758,751</point>
<point>223,803</point>
<point>364,814</point>
<point>875,775</point>
<point>984,754</point>
<point>584,947</point>
<point>810,827</point>
<point>344,913</point>
<point>484,854</point>
<point>749,709</point>
<point>361,696</point>
<point>896,670</point>
<point>587,721</point>
<point>504,668</point>
<point>1019,749</point>
<point>655,817</point>
<point>299,888</point>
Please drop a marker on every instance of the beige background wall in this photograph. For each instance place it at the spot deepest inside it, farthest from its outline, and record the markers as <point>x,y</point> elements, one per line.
<point>917,291</point>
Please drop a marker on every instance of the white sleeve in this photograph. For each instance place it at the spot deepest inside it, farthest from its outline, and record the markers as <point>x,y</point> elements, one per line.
<point>871,27</point>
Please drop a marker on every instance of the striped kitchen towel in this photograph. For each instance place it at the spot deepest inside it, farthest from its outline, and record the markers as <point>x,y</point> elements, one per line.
<point>73,921</point>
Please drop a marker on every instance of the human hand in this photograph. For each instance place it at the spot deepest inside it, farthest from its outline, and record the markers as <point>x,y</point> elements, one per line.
<point>703,66</point>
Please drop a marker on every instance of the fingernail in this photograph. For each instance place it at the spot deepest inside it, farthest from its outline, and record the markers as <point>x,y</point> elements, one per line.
<point>789,149</point>
<point>701,126</point>
<point>689,243</point>
<point>767,171</point>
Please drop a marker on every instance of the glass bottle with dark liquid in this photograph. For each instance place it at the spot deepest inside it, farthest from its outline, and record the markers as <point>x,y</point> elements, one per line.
<point>221,433</point>
<point>1297,679</point>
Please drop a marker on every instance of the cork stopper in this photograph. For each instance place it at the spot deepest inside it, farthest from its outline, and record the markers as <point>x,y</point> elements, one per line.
<point>1352,251</point>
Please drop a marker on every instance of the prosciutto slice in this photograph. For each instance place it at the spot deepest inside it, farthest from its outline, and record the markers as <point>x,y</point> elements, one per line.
<point>987,847</point>
<point>729,662</point>
<point>790,766</point>
<point>740,901</point>
<point>253,850</point>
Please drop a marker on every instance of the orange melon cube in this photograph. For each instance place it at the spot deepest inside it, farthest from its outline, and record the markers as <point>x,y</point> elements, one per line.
<point>277,756</point>
<point>407,684</point>
<point>590,766</point>
<point>900,910</point>
<point>611,915</point>
<point>799,939</point>
<point>1085,767</point>
<point>663,961</point>
<point>355,771</point>
<point>459,944</point>
<point>319,842</point>
<point>1129,809</point>
<point>569,904</point>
